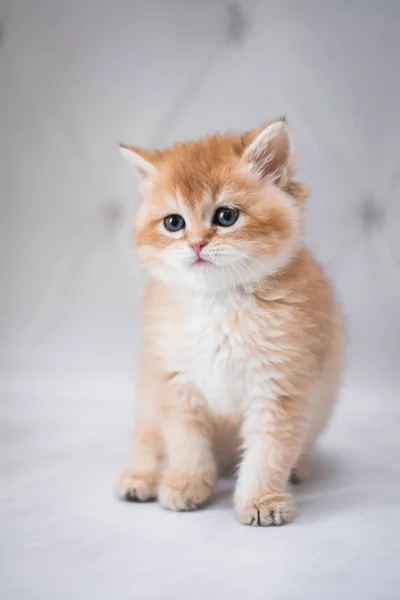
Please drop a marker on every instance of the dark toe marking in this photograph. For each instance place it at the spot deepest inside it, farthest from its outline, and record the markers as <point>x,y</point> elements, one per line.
<point>131,496</point>
<point>294,478</point>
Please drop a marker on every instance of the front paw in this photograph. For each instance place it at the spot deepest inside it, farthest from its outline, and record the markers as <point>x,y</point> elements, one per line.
<point>183,492</point>
<point>137,487</point>
<point>271,509</point>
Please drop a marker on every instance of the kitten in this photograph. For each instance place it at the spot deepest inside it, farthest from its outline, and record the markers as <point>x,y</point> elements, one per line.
<point>243,342</point>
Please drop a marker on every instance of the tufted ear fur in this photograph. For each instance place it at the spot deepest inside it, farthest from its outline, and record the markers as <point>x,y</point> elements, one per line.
<point>269,155</point>
<point>144,162</point>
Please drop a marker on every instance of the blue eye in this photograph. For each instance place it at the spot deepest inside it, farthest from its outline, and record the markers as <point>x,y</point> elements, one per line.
<point>174,223</point>
<point>226,216</point>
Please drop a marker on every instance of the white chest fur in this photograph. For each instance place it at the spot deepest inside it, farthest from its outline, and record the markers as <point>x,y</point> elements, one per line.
<point>216,349</point>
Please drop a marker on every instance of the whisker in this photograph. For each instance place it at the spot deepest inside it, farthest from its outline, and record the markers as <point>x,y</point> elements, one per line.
<point>266,271</point>
<point>242,280</point>
<point>228,267</point>
<point>245,267</point>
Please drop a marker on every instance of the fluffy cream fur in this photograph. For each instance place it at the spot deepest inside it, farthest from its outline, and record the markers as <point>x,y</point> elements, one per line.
<point>243,343</point>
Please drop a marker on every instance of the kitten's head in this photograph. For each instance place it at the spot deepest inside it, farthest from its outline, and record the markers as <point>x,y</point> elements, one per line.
<point>220,212</point>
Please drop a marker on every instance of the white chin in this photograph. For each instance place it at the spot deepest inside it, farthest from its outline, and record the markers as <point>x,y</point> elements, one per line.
<point>200,277</point>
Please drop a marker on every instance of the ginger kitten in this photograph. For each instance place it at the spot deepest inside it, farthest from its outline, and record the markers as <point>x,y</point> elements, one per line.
<point>243,343</point>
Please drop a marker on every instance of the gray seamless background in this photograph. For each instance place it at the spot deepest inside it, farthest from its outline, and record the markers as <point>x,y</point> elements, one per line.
<point>78,77</point>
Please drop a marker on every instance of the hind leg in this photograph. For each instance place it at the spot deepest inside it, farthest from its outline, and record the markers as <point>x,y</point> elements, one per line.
<point>323,399</point>
<point>226,443</point>
<point>140,479</point>
<point>300,470</point>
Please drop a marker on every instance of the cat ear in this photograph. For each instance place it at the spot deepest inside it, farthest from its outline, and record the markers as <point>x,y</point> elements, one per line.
<point>269,154</point>
<point>144,162</point>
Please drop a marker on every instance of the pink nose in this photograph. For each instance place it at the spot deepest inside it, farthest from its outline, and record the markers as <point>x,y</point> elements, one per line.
<point>197,248</point>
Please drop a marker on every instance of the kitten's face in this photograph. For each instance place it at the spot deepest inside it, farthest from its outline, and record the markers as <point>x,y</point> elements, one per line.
<point>215,214</point>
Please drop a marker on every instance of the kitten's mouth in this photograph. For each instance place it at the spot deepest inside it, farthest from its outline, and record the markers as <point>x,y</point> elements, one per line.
<point>200,262</point>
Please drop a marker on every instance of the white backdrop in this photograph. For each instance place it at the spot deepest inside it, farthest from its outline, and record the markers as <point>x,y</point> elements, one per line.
<point>78,77</point>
